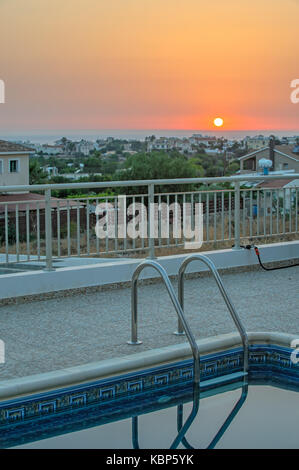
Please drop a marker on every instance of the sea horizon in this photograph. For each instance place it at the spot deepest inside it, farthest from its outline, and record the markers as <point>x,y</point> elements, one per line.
<point>50,136</point>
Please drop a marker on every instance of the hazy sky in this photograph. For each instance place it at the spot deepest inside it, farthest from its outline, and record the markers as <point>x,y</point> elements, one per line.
<point>148,64</point>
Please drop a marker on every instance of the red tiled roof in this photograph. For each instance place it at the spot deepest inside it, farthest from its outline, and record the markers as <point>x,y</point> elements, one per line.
<point>32,201</point>
<point>274,184</point>
<point>9,147</point>
<point>288,150</point>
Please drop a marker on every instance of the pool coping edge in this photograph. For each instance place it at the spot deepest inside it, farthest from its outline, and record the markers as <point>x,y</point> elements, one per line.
<point>13,388</point>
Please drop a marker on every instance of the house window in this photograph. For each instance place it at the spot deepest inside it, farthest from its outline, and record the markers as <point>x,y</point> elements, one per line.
<point>285,166</point>
<point>250,164</point>
<point>1,167</point>
<point>13,166</point>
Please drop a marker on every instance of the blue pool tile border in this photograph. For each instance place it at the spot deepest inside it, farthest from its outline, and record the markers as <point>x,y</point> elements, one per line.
<point>265,361</point>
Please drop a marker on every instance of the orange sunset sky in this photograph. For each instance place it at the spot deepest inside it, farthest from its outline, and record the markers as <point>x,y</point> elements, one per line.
<point>148,64</point>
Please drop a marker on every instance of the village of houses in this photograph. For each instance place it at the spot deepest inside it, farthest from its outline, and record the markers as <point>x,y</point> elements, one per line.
<point>248,151</point>
<point>259,155</point>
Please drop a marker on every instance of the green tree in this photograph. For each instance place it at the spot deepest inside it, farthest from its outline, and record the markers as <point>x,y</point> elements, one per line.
<point>36,174</point>
<point>197,164</point>
<point>158,165</point>
<point>93,164</point>
<point>232,168</point>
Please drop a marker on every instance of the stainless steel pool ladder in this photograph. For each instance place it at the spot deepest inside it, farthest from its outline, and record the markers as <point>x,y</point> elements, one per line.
<point>176,304</point>
<point>229,304</point>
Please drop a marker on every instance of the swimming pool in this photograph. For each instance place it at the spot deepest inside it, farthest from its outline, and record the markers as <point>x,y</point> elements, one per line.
<point>219,423</point>
<point>160,408</point>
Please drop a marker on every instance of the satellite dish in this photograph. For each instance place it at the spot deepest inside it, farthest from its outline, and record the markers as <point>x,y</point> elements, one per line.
<point>265,163</point>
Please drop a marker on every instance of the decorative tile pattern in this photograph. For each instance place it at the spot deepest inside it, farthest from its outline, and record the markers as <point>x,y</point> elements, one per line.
<point>162,379</point>
<point>107,392</point>
<point>14,415</point>
<point>78,400</point>
<point>264,360</point>
<point>186,374</point>
<point>135,386</point>
<point>47,407</point>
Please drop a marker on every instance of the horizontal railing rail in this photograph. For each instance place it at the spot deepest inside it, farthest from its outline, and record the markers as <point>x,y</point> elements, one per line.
<point>156,182</point>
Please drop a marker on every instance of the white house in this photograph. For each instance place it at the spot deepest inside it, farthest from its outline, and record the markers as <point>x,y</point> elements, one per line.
<point>51,170</point>
<point>84,147</point>
<point>282,157</point>
<point>14,164</point>
<point>159,144</point>
<point>51,149</point>
<point>282,189</point>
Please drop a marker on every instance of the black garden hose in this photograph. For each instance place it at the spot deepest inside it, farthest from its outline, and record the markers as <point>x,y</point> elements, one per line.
<point>257,252</point>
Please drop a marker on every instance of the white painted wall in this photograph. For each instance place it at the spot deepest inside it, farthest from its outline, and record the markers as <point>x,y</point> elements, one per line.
<point>21,177</point>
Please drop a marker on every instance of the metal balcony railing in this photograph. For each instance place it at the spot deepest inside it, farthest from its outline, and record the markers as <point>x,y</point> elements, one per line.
<point>47,228</point>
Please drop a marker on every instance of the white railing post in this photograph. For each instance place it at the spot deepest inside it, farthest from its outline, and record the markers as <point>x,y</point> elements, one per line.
<point>151,221</point>
<point>237,219</point>
<point>48,230</point>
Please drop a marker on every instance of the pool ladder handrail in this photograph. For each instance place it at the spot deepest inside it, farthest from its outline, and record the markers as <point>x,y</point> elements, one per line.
<point>181,317</point>
<point>229,304</point>
<point>182,439</point>
<point>182,429</point>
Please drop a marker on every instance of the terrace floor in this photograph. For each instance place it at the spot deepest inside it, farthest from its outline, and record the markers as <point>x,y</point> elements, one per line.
<point>46,335</point>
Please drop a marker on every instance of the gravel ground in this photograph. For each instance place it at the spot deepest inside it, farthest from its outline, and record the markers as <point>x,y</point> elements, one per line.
<point>52,334</point>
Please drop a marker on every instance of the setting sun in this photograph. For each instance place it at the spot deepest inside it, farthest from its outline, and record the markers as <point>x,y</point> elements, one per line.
<point>218,122</point>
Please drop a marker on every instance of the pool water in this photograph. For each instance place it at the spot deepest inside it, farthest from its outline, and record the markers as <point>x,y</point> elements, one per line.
<point>265,417</point>
<point>160,408</point>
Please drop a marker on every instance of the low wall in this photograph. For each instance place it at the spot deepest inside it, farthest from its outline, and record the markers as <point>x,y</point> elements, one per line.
<point>32,283</point>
